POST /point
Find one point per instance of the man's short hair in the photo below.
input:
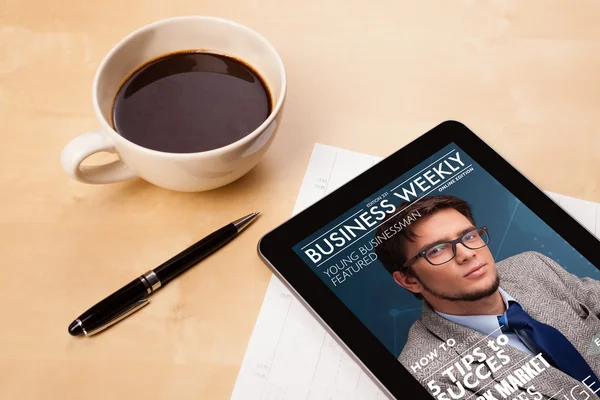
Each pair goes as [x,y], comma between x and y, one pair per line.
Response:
[391,252]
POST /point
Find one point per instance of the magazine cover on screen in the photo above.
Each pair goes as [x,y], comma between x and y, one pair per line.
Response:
[475,295]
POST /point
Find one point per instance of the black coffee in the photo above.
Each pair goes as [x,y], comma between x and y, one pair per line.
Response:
[190,102]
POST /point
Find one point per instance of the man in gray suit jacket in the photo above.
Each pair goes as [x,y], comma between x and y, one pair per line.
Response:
[522,328]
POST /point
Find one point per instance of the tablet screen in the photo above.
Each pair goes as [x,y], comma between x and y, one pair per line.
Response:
[476,296]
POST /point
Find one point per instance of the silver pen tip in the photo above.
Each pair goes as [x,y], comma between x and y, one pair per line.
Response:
[245,221]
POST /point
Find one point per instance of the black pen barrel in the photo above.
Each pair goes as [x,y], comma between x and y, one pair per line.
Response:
[132,296]
[192,255]
[106,309]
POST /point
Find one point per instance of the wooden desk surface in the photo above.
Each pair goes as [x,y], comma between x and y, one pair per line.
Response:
[367,76]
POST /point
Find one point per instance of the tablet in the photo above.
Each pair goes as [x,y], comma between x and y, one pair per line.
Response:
[446,274]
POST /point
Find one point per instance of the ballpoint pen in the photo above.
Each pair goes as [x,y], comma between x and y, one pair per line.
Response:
[133,296]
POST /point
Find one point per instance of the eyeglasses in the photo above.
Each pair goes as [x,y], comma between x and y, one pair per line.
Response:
[441,253]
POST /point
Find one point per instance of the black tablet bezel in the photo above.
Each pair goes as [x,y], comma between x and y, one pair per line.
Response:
[275,247]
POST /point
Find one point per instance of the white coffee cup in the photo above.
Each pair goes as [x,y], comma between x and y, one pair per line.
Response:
[176,171]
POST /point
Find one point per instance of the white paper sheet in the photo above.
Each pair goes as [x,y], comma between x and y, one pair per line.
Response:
[290,355]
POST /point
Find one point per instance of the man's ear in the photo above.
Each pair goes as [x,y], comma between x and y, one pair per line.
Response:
[408,282]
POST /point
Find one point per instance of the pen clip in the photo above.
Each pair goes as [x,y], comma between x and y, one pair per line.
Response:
[125,313]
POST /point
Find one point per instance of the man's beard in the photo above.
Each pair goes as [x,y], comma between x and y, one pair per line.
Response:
[465,296]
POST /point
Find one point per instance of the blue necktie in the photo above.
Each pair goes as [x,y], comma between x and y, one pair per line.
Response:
[556,348]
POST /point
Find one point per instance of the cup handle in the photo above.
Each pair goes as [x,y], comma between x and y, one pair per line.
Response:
[84,146]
